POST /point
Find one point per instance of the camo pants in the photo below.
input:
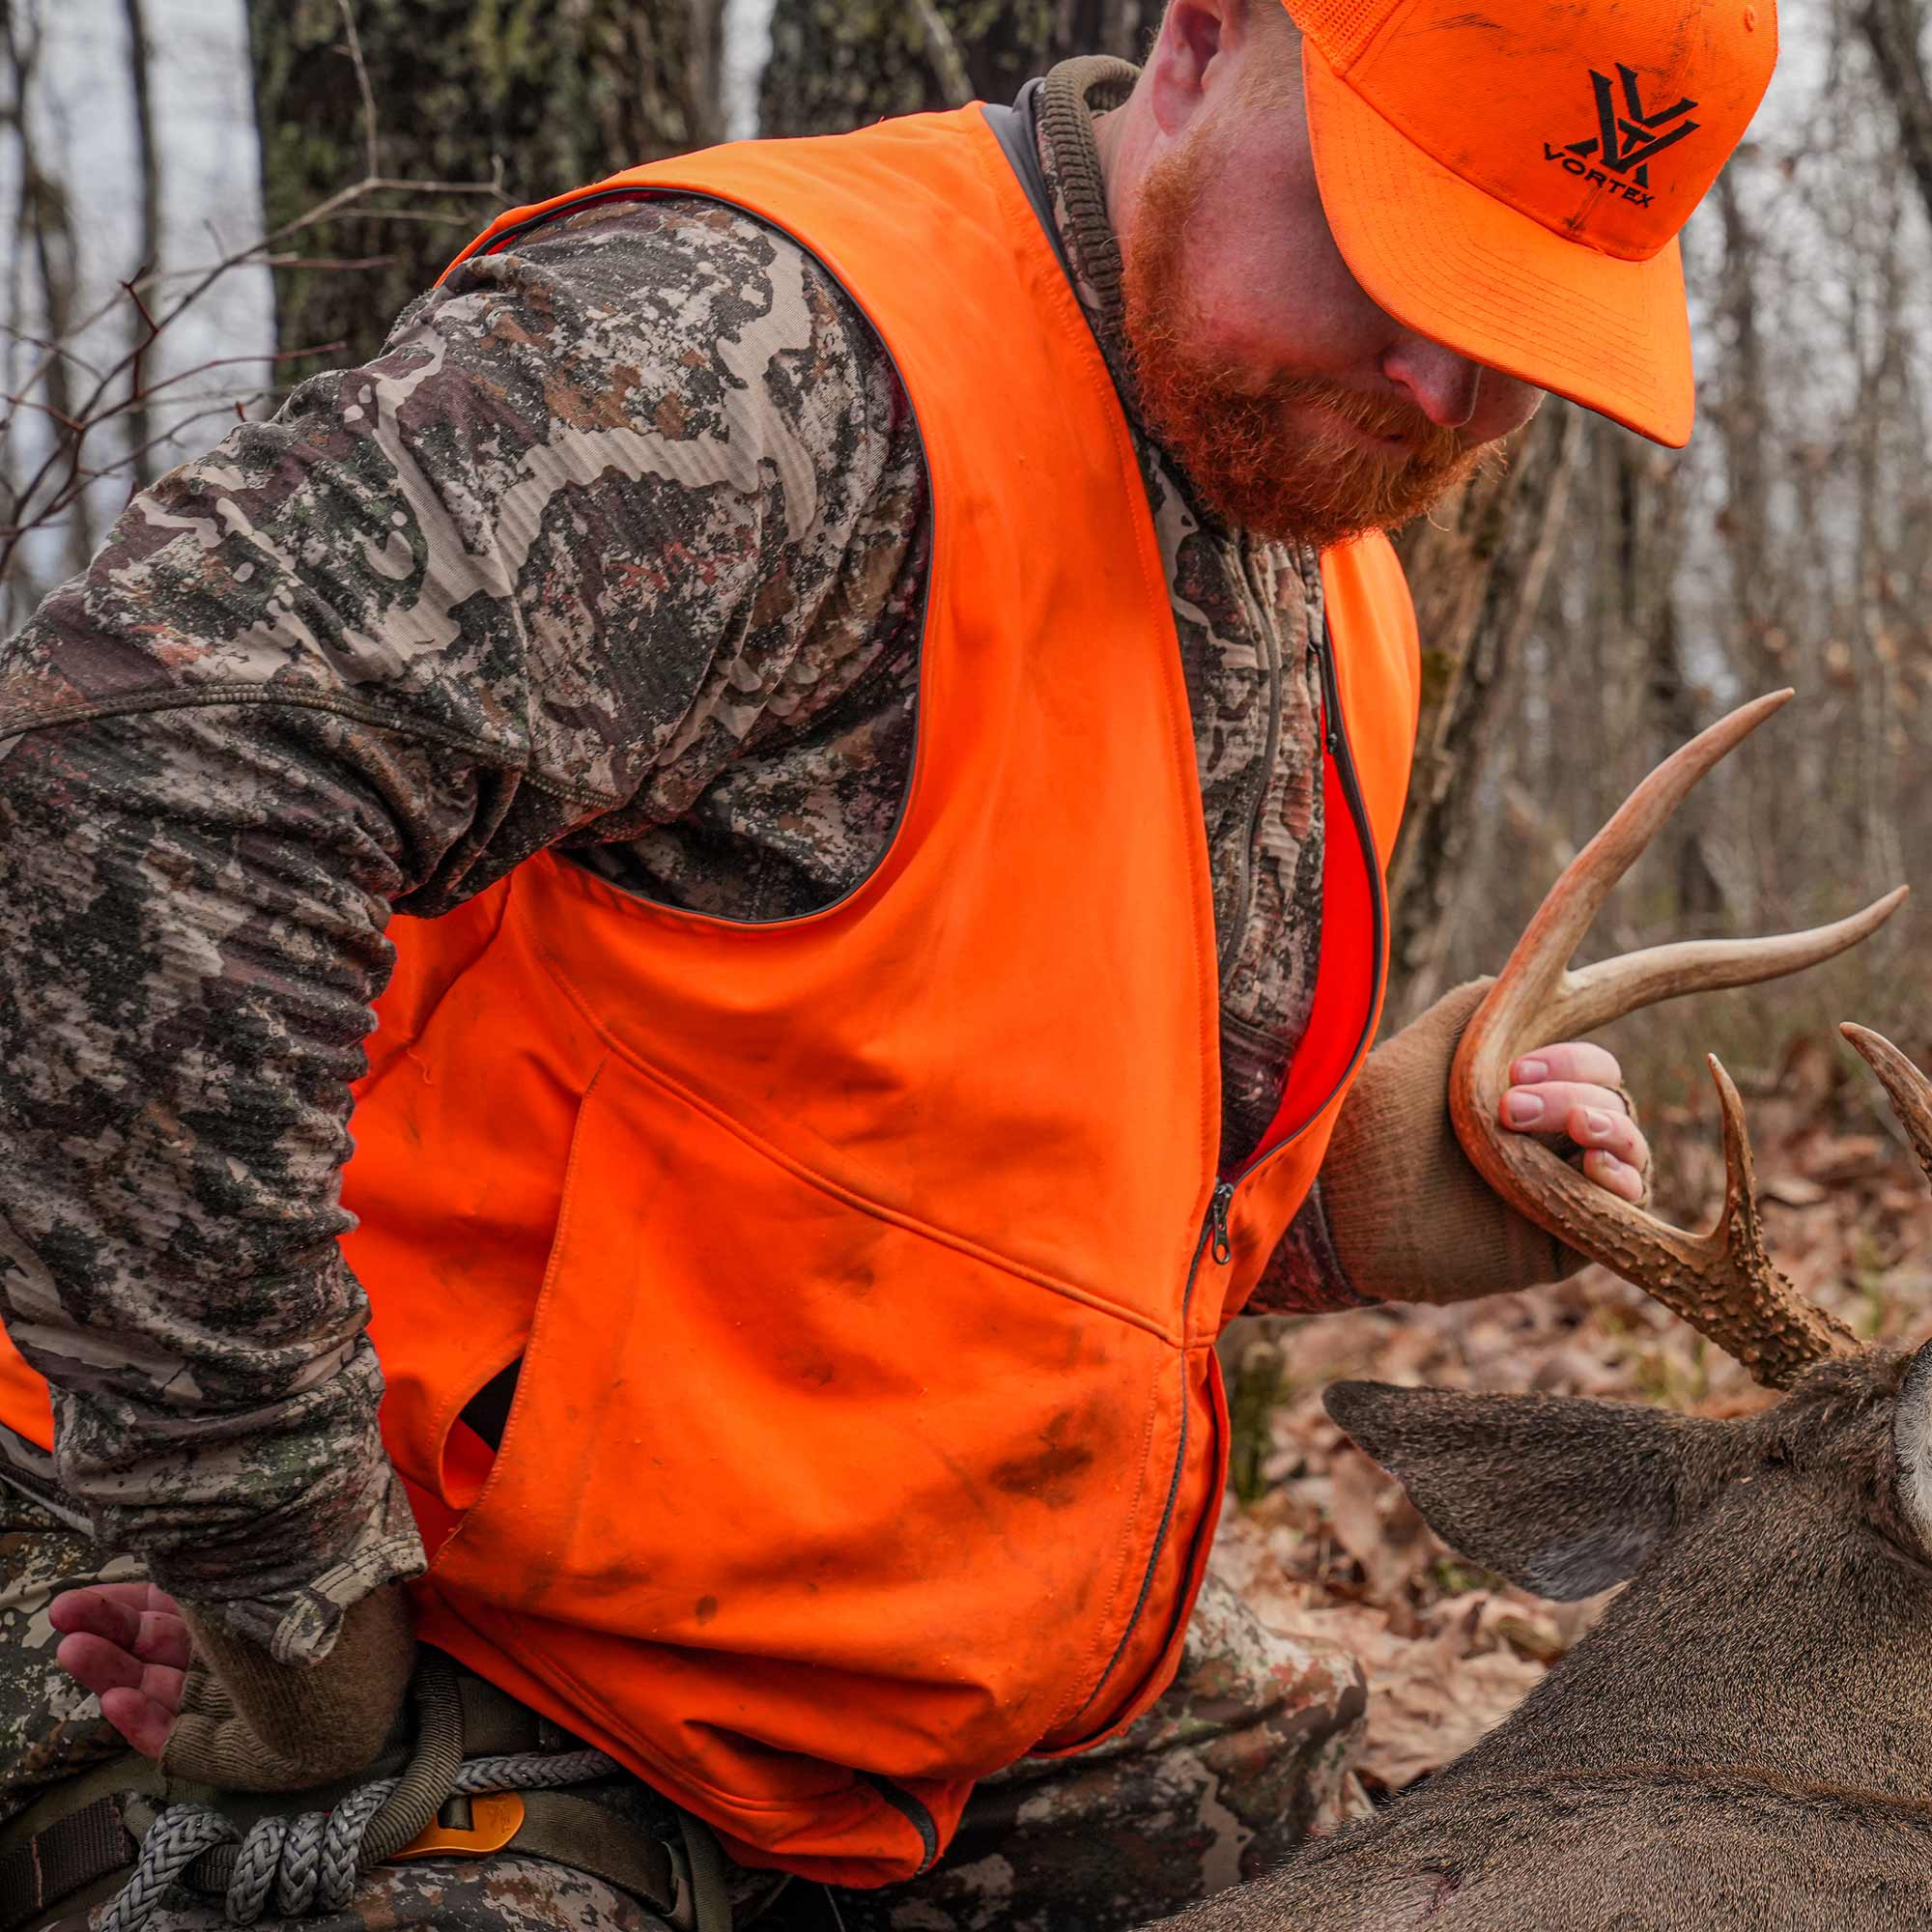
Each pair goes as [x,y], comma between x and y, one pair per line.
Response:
[1248,1750]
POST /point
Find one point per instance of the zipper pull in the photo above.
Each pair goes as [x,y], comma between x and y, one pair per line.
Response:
[1217,1222]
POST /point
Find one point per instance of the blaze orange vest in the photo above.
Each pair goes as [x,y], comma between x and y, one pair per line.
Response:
[866,1268]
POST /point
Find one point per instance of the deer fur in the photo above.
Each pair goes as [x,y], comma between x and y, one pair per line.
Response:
[1744,1740]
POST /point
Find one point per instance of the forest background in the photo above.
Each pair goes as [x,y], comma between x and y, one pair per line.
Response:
[208,198]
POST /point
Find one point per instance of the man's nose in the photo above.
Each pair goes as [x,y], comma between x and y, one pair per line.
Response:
[1441,384]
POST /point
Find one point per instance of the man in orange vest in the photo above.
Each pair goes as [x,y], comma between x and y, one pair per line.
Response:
[846,705]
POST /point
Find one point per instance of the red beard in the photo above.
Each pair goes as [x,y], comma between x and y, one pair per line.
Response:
[1243,451]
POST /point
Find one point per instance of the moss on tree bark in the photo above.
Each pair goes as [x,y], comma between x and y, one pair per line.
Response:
[839,64]
[545,93]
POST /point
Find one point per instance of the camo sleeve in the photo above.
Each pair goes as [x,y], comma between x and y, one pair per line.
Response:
[603,510]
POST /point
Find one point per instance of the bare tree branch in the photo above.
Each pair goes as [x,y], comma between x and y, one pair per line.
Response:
[59,482]
[148,201]
[372,142]
[949,64]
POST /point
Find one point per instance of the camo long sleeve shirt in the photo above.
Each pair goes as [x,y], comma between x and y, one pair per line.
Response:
[617,548]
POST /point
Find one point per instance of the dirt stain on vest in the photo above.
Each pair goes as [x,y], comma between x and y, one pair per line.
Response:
[1048,1474]
[706,1610]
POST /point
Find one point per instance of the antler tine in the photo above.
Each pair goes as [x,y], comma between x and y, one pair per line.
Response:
[1593,994]
[1537,965]
[1908,1088]
[1769,1327]
[1723,1282]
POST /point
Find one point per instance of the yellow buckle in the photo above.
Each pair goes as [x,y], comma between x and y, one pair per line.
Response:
[494,1819]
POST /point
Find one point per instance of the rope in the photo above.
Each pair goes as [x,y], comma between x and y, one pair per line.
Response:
[177,1837]
[310,1862]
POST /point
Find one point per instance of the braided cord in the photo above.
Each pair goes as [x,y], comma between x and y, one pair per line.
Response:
[309,1860]
[178,1836]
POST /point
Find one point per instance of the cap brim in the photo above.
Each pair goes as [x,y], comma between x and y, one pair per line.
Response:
[1460,267]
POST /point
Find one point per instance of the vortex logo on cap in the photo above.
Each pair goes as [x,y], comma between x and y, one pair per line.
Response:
[1625,143]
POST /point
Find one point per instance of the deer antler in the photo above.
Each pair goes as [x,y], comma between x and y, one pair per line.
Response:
[1909,1090]
[1723,1282]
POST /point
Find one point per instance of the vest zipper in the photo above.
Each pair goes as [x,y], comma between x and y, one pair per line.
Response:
[1331,736]
[1217,1223]
[1214,1237]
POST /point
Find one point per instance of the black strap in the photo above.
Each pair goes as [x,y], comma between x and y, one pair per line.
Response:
[56,1862]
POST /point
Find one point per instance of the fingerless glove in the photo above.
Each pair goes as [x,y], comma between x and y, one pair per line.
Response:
[248,1723]
[1410,1218]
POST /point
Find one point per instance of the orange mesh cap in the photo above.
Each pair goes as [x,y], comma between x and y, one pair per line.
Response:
[1509,180]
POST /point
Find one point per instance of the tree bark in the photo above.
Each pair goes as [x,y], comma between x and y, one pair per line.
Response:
[839,64]
[1893,30]
[1762,644]
[1477,567]
[544,97]
[1650,524]
[44,232]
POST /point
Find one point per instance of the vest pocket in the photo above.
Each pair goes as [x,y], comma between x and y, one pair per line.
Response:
[786,1478]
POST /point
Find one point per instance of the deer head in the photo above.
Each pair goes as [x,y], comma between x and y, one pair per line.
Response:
[1744,1737]
[1566,1496]
[1779,1622]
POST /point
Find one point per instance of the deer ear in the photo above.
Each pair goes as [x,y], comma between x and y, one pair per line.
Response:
[1561,1496]
[1912,1446]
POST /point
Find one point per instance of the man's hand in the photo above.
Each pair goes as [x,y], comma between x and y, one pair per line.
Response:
[1576,1090]
[128,1644]
[1410,1218]
[174,1681]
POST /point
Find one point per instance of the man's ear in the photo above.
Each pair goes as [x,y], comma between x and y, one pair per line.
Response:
[1561,1496]
[1189,42]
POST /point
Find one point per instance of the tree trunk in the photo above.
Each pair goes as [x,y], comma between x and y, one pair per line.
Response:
[1679,706]
[839,64]
[46,249]
[1894,28]
[1477,568]
[1762,644]
[541,96]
